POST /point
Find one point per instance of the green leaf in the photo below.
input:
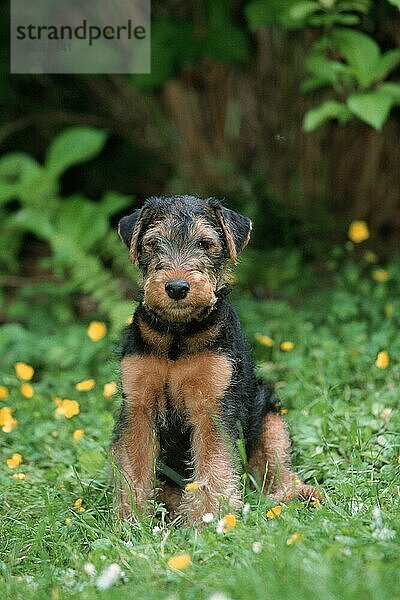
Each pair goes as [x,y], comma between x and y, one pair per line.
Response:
[171,474]
[14,164]
[362,6]
[313,83]
[22,177]
[301,10]
[371,107]
[323,20]
[113,202]
[360,51]
[30,219]
[327,110]
[8,191]
[73,146]
[81,222]
[387,63]
[395,3]
[10,244]
[393,89]
[270,12]
[38,190]
[330,70]
[14,169]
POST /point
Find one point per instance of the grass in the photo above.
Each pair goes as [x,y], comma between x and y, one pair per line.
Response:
[345,423]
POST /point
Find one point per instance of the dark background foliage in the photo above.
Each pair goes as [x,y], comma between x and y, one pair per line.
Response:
[221,114]
[287,110]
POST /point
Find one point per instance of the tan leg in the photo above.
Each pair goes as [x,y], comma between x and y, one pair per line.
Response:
[213,472]
[134,457]
[271,466]
[200,381]
[134,452]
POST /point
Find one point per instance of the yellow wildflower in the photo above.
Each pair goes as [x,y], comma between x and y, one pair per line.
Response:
[287,346]
[14,461]
[370,257]
[96,330]
[9,425]
[315,501]
[358,232]
[283,411]
[67,408]
[68,521]
[7,421]
[388,309]
[3,392]
[295,537]
[78,435]
[19,476]
[380,275]
[264,340]
[78,505]
[192,486]
[27,390]
[24,371]
[86,385]
[229,521]
[382,360]
[274,512]
[179,562]
[109,389]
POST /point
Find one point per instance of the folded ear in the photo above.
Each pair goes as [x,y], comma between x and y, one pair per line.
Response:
[236,228]
[128,229]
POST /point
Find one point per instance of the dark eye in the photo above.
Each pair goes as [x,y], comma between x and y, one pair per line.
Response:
[205,244]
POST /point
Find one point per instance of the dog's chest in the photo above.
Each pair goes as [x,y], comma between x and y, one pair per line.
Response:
[175,346]
[191,383]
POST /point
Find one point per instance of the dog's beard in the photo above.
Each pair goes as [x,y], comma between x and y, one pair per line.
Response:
[196,305]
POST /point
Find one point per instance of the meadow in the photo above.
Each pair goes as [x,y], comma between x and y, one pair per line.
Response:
[289,112]
[329,341]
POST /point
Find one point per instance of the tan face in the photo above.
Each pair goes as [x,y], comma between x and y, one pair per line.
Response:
[183,265]
[182,246]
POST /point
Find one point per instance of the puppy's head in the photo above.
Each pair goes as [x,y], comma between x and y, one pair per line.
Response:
[182,246]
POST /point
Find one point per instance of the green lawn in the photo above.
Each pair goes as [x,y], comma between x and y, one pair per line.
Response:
[345,424]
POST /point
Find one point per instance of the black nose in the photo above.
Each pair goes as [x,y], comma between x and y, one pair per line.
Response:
[177,288]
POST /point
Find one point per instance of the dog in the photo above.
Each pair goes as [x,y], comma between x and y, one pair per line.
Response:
[190,393]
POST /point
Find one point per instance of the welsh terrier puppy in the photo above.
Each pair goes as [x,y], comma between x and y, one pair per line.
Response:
[189,388]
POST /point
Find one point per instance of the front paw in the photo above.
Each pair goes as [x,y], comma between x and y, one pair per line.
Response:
[300,491]
[202,499]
